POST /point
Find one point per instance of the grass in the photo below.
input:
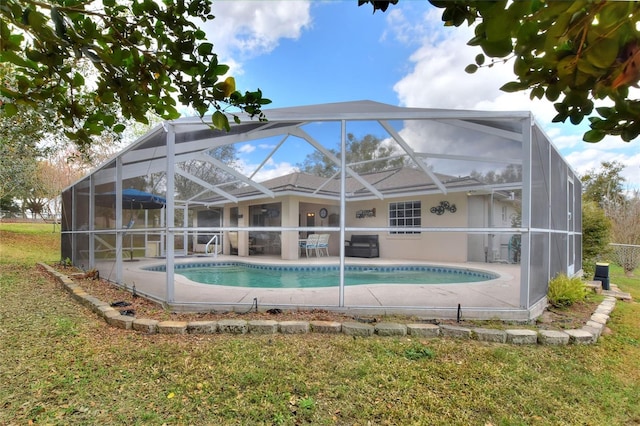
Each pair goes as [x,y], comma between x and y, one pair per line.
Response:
[62,365]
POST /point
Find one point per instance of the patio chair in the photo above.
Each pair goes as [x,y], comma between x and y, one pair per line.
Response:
[323,244]
[311,243]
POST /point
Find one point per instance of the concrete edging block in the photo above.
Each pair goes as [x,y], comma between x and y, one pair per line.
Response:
[579,337]
[263,327]
[357,329]
[595,332]
[423,330]
[522,337]
[455,332]
[293,327]
[120,321]
[202,327]
[553,337]
[601,318]
[172,327]
[233,326]
[107,312]
[329,327]
[390,329]
[490,335]
[145,325]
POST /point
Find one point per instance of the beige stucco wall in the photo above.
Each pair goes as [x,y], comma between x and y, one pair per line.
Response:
[430,246]
[436,246]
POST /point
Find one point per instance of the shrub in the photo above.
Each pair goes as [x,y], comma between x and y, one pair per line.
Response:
[564,291]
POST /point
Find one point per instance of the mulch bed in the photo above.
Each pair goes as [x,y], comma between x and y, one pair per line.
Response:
[552,319]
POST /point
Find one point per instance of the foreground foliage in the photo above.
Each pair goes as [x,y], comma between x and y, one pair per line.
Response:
[568,52]
[564,291]
[146,56]
[62,365]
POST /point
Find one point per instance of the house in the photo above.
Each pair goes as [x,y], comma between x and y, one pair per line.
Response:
[469,202]
[475,187]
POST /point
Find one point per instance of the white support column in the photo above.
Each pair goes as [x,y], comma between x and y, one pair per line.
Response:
[170,223]
[119,213]
[343,204]
[185,234]
[525,254]
[92,222]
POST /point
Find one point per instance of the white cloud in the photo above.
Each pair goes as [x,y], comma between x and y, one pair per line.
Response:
[247,148]
[243,29]
[437,80]
[270,170]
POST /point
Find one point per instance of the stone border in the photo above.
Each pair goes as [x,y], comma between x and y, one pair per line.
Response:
[588,334]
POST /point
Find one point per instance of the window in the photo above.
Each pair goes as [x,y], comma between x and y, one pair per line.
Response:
[406,214]
[504,214]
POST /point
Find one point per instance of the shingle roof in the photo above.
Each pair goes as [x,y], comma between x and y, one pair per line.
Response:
[388,182]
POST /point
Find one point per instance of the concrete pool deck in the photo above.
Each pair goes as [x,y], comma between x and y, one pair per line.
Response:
[495,299]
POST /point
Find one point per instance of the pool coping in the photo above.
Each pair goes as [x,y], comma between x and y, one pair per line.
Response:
[498,298]
[483,275]
[587,334]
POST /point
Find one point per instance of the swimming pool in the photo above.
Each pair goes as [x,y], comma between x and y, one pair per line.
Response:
[239,274]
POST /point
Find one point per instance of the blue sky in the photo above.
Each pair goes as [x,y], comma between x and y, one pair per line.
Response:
[302,52]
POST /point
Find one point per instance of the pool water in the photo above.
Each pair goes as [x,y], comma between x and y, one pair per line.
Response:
[238,274]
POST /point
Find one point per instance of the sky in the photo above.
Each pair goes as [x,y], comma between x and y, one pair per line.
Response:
[310,52]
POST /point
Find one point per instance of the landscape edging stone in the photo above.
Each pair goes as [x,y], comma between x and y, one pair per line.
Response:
[588,334]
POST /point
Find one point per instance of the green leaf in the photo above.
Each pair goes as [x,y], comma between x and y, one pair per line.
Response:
[119,128]
[25,15]
[498,28]
[605,111]
[520,66]
[58,22]
[602,53]
[78,80]
[10,56]
[513,86]
[613,12]
[593,136]
[220,121]
[576,116]
[471,68]
[480,59]
[537,92]
[9,109]
[205,49]
[552,93]
[498,48]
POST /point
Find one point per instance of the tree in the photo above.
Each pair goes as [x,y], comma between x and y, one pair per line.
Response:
[625,231]
[571,53]
[186,188]
[595,235]
[147,56]
[365,155]
[54,174]
[511,173]
[604,186]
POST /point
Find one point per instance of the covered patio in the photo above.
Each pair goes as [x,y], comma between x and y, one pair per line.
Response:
[478,188]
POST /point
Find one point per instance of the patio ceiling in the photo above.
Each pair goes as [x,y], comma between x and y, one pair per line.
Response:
[194,139]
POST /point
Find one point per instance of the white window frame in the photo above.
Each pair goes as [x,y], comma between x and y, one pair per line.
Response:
[405,214]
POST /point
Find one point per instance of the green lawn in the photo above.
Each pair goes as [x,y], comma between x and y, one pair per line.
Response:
[62,365]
